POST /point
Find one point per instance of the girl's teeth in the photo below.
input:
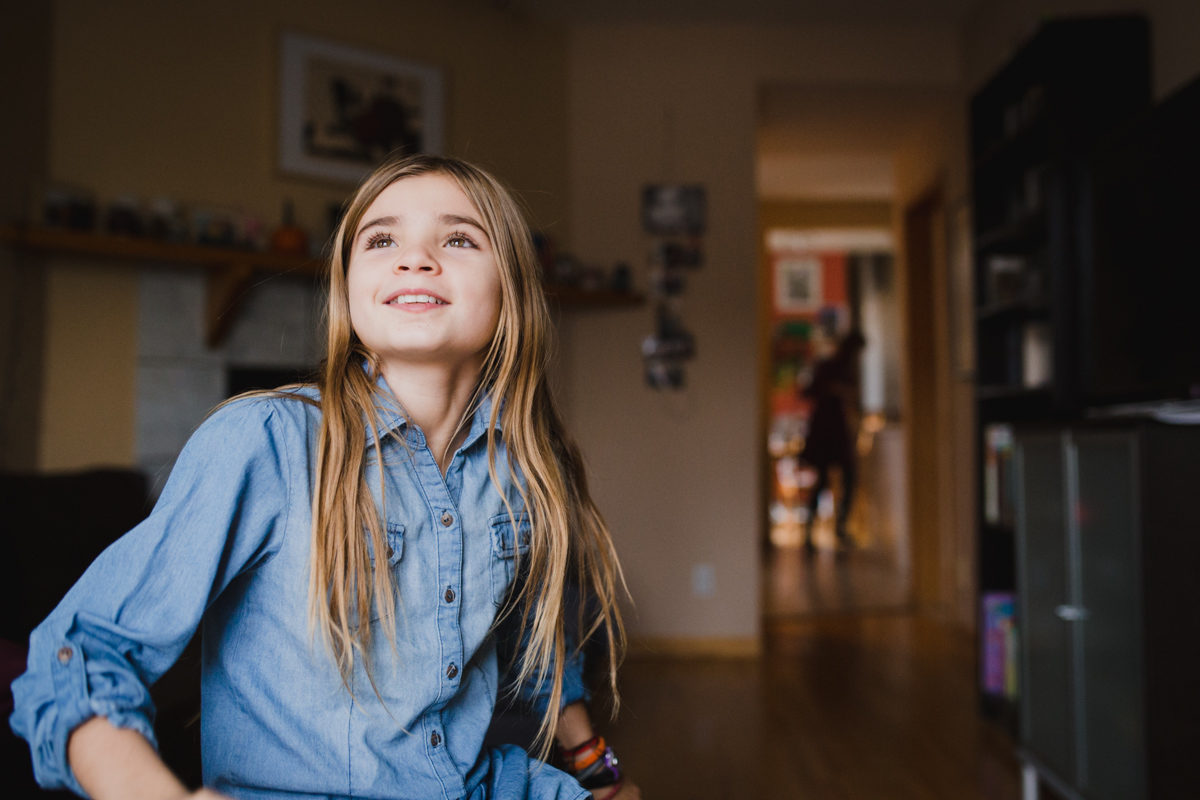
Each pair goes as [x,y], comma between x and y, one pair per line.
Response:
[418,298]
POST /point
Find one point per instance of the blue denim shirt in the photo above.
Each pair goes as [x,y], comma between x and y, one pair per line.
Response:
[227,549]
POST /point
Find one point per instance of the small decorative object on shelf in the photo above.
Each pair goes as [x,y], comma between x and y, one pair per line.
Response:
[573,283]
[289,238]
[68,207]
[125,217]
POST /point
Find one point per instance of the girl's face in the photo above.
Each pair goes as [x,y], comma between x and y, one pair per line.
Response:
[423,280]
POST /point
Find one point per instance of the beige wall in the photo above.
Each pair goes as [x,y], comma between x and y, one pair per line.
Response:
[677,474]
[90,366]
[998,27]
[179,99]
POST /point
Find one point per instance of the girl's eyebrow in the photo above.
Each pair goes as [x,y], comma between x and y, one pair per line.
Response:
[374,222]
[455,219]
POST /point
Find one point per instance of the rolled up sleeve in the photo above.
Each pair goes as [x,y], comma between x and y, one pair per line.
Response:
[130,615]
[535,692]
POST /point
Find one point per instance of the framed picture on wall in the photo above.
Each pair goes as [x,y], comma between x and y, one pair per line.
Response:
[342,110]
[798,284]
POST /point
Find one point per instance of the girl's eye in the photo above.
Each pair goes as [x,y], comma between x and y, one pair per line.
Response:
[460,240]
[380,240]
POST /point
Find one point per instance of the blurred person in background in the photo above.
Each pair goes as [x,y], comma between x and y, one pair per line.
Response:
[833,431]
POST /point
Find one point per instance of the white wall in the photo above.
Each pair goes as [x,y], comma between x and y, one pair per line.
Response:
[180,379]
[677,474]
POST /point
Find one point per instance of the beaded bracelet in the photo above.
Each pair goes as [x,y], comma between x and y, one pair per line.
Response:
[593,764]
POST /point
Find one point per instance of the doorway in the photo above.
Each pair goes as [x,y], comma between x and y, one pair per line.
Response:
[836,534]
[837,167]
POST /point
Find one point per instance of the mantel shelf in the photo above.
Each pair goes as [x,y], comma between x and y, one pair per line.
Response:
[129,248]
[231,270]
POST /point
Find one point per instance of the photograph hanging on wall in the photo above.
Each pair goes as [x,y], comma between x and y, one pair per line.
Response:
[673,209]
[798,284]
[342,110]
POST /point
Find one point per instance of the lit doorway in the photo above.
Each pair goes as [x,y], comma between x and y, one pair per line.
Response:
[836,167]
[836,541]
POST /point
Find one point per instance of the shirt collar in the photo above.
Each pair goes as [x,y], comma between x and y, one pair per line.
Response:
[391,419]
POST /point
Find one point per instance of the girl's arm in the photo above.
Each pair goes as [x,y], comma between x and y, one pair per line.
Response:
[575,728]
[133,611]
[119,764]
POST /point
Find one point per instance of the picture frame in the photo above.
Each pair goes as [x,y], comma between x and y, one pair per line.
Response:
[343,110]
[798,287]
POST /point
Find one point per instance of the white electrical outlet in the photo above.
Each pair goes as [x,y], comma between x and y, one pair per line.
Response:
[704,580]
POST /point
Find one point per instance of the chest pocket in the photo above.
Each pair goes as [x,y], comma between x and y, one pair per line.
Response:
[395,543]
[508,540]
[395,551]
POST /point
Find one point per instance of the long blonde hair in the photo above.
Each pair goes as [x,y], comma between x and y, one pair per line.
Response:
[569,536]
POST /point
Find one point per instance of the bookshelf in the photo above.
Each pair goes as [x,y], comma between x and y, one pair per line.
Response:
[1033,126]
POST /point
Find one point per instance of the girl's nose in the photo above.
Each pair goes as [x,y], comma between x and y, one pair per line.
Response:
[417,258]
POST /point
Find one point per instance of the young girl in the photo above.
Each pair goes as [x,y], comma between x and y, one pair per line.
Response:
[348,548]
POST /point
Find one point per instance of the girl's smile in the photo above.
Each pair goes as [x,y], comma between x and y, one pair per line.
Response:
[415,300]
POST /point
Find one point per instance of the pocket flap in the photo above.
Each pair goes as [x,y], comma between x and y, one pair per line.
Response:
[395,543]
[505,534]
[395,538]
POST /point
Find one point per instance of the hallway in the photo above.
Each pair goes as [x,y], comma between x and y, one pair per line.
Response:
[838,708]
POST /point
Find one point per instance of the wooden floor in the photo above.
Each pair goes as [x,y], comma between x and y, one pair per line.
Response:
[841,707]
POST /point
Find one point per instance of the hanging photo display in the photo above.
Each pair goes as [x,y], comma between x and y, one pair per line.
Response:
[675,216]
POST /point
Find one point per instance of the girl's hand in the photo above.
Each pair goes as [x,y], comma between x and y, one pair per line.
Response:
[206,794]
[628,792]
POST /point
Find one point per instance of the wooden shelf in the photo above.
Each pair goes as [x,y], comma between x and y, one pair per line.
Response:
[1031,133]
[1008,392]
[1019,308]
[1022,234]
[593,298]
[128,248]
[231,271]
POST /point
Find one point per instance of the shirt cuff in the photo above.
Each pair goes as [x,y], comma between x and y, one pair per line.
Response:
[75,704]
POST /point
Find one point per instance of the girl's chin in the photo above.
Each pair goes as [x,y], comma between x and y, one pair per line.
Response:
[430,353]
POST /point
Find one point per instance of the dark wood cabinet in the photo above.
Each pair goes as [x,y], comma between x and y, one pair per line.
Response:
[1108,538]
[1033,127]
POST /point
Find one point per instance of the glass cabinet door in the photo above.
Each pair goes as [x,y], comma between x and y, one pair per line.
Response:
[1042,577]
[1110,721]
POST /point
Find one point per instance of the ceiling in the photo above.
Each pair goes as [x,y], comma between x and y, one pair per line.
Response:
[744,11]
[826,142]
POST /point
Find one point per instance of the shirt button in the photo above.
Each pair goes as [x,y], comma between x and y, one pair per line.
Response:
[449,595]
[447,519]
[391,552]
[435,740]
[64,654]
[451,672]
